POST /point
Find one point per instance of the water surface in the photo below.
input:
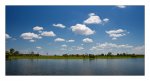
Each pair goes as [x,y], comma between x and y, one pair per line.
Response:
[133,66]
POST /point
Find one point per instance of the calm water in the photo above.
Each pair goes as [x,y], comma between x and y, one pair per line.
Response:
[75,67]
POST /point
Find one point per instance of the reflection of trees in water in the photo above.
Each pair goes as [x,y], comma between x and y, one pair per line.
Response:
[91,59]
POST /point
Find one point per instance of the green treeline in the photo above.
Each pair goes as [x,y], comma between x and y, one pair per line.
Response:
[12,53]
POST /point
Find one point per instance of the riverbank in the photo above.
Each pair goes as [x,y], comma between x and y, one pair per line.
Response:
[73,57]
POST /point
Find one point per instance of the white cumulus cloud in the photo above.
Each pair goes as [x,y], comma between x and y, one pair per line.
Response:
[118,48]
[48,33]
[30,35]
[91,14]
[105,20]
[37,28]
[111,47]
[64,45]
[39,47]
[7,36]
[121,6]
[82,29]
[73,48]
[87,40]
[93,19]
[59,25]
[32,40]
[59,40]
[71,40]
[79,48]
[139,49]
[116,33]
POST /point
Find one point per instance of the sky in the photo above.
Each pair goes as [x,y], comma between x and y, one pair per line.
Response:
[75,29]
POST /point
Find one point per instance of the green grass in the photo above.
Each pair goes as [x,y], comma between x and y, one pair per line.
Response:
[73,57]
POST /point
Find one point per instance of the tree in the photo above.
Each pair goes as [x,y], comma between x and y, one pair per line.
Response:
[102,54]
[133,55]
[77,55]
[118,54]
[91,56]
[83,56]
[65,55]
[124,54]
[16,52]
[109,54]
[12,51]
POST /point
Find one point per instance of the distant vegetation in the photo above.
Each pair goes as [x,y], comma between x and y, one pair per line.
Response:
[12,53]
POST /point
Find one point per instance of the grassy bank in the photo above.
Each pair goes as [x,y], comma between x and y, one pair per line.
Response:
[13,54]
[73,57]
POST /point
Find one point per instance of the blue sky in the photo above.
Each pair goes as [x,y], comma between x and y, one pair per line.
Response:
[75,29]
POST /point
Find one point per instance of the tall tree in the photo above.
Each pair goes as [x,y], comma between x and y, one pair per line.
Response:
[12,51]
[109,54]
